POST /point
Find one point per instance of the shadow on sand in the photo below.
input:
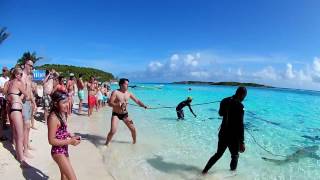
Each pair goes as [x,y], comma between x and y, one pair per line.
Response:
[33,173]
[173,168]
[85,105]
[29,172]
[39,116]
[82,114]
[9,146]
[98,140]
[121,142]
[94,139]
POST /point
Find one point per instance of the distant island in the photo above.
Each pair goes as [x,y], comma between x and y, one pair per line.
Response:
[223,84]
[65,70]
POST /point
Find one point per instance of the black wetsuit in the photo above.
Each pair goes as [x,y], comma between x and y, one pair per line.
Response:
[180,107]
[231,133]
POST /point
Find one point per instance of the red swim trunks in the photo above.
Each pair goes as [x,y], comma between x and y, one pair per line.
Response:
[91,101]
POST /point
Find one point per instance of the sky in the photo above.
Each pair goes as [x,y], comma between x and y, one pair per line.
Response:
[269,42]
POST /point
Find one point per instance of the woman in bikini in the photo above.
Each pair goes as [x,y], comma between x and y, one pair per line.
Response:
[15,93]
[58,135]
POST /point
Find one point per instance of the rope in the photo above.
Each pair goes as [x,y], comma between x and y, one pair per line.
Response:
[255,116]
[199,104]
[212,102]
[262,147]
[163,107]
[169,107]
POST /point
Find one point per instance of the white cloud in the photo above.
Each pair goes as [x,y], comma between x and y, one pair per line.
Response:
[239,72]
[200,74]
[194,63]
[191,60]
[289,72]
[267,73]
[316,70]
[198,55]
[174,57]
[303,76]
[155,66]
[211,67]
[173,66]
[316,64]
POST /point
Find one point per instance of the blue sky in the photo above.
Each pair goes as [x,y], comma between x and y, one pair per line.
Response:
[271,42]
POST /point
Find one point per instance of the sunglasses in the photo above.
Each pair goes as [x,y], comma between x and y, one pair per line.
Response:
[30,65]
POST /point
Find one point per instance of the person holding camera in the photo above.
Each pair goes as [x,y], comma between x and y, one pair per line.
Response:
[47,90]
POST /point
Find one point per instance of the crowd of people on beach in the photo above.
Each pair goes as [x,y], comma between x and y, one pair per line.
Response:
[18,100]
[20,97]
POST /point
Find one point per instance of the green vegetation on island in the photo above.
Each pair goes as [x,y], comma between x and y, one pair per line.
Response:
[65,70]
[223,83]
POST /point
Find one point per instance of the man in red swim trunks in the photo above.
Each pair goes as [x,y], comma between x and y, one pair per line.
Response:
[91,86]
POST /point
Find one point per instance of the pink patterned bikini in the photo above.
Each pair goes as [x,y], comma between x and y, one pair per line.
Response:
[62,133]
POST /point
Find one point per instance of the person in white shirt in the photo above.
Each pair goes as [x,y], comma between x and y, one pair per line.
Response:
[3,112]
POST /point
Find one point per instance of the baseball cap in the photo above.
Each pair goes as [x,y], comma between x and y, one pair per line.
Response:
[4,68]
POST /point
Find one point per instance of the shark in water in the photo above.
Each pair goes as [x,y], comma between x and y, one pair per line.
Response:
[305,152]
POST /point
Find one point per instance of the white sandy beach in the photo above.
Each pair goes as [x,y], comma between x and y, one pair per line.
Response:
[86,159]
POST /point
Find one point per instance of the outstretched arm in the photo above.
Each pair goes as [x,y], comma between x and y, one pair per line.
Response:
[46,78]
[192,110]
[137,101]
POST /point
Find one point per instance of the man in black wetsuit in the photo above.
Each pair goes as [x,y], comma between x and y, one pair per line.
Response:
[180,107]
[231,134]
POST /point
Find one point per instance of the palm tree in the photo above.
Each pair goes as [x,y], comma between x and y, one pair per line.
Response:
[29,56]
[3,34]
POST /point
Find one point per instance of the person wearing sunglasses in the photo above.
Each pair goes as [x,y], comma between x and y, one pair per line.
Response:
[15,92]
[27,105]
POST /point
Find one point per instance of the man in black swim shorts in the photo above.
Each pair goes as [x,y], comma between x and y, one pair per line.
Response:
[119,102]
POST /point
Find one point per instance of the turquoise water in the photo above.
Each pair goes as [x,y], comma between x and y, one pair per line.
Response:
[281,121]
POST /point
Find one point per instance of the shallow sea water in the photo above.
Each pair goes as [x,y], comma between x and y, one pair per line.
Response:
[284,122]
